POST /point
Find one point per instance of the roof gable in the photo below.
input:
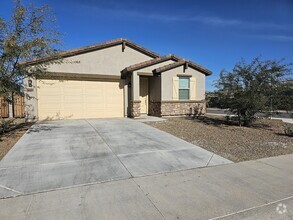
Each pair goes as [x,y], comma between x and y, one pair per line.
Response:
[181,63]
[156,58]
[148,63]
[91,48]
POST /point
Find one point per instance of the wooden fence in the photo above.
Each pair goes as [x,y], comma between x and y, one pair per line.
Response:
[17,107]
[4,108]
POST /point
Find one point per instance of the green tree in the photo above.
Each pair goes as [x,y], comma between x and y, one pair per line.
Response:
[250,88]
[29,34]
[212,100]
[283,99]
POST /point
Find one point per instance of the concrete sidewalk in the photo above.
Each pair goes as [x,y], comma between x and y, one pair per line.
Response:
[259,189]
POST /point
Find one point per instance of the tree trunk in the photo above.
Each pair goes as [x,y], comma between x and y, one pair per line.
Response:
[239,118]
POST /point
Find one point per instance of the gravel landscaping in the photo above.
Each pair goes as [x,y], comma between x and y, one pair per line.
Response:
[10,137]
[265,138]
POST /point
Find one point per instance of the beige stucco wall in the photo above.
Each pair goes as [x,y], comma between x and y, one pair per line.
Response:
[135,77]
[134,87]
[108,61]
[167,82]
[126,95]
[31,102]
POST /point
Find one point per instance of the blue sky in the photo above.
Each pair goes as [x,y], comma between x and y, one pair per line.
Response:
[213,33]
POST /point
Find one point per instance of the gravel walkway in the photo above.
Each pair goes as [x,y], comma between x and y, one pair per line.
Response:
[265,139]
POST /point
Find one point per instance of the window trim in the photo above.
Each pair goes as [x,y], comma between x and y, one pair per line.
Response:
[188,78]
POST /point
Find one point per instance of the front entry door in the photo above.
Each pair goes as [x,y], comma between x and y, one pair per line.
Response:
[143,95]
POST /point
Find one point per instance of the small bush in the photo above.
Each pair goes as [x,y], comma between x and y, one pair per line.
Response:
[5,124]
[289,130]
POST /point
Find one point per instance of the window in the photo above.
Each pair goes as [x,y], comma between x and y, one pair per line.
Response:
[184,86]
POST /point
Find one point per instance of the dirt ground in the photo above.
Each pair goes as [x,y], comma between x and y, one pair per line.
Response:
[265,138]
[8,139]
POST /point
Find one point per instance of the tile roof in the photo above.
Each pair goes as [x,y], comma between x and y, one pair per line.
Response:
[156,57]
[148,63]
[94,47]
[180,63]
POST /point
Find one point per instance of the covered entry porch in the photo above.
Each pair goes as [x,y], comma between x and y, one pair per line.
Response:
[165,86]
[144,90]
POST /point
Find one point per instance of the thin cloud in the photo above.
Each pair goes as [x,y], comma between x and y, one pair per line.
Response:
[218,21]
[281,38]
[204,19]
[243,24]
[270,37]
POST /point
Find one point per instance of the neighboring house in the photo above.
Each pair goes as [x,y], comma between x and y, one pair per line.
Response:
[117,78]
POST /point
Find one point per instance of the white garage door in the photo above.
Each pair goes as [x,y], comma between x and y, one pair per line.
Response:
[68,99]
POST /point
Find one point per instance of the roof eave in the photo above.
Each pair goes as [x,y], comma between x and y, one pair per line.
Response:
[146,64]
[91,48]
[181,63]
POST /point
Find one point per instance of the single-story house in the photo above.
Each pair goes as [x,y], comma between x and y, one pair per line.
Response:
[116,78]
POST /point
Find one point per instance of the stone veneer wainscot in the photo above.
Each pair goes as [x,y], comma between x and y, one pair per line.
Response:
[172,108]
[135,108]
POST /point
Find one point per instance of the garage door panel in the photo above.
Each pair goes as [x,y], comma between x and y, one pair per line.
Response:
[72,100]
[90,99]
[47,91]
[79,99]
[70,89]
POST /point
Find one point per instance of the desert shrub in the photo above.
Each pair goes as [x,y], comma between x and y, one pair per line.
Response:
[289,130]
[249,89]
[5,124]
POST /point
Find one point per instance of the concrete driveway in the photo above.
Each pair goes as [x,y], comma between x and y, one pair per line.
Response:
[61,154]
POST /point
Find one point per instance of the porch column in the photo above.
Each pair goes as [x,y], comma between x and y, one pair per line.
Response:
[135,102]
[126,81]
